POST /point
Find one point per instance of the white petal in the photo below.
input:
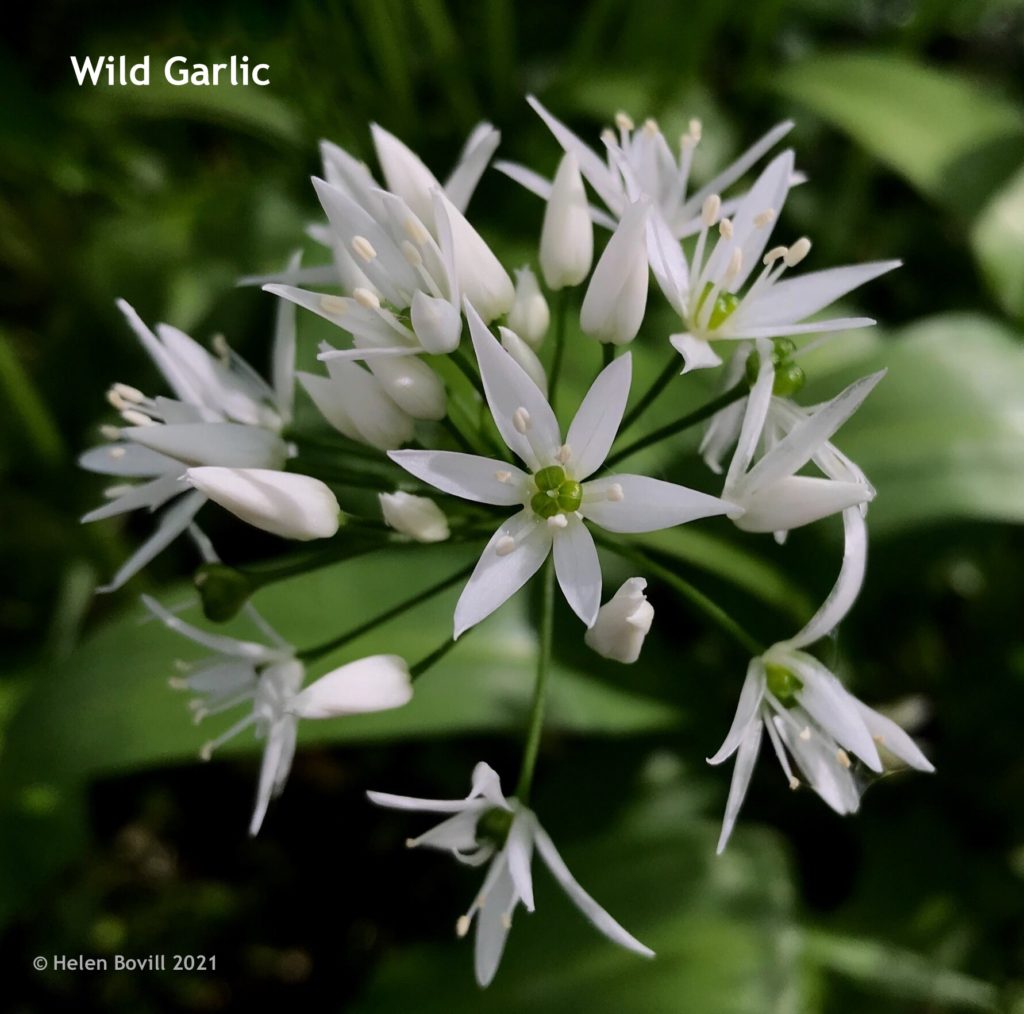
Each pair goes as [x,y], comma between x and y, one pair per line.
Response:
[413,803]
[437,323]
[668,262]
[405,173]
[732,332]
[567,234]
[174,520]
[521,352]
[376,683]
[177,378]
[696,352]
[578,569]
[798,500]
[746,759]
[799,445]
[283,503]
[820,767]
[498,576]
[793,299]
[758,402]
[482,143]
[530,315]
[509,389]
[748,710]
[127,460]
[412,385]
[483,480]
[283,365]
[597,421]
[519,851]
[229,444]
[542,187]
[492,924]
[277,762]
[891,738]
[646,505]
[457,834]
[487,784]
[150,495]
[590,908]
[416,516]
[847,587]
[613,308]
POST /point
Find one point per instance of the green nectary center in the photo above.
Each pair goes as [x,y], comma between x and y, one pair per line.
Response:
[725,305]
[556,493]
[494,826]
[783,683]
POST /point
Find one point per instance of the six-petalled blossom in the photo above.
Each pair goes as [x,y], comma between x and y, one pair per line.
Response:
[269,678]
[558,494]
[485,827]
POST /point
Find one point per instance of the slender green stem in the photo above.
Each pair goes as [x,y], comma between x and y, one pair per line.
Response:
[261,575]
[540,686]
[561,318]
[460,438]
[468,370]
[607,354]
[711,609]
[671,429]
[429,661]
[651,394]
[318,651]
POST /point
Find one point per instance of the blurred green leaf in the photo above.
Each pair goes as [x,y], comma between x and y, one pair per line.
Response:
[721,926]
[941,435]
[997,239]
[109,708]
[949,136]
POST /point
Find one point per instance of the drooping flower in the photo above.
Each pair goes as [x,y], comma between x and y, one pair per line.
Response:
[773,496]
[808,714]
[485,827]
[269,678]
[558,494]
[708,295]
[222,414]
[282,503]
[622,623]
[641,164]
[416,516]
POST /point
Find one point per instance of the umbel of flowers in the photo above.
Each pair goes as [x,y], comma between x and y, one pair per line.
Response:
[407,281]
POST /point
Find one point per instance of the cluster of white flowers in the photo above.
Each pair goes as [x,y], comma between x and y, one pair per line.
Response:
[407,269]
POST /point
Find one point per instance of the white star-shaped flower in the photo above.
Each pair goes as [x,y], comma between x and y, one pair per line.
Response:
[557,495]
[487,827]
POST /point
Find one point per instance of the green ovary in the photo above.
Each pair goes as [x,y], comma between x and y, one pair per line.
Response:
[725,305]
[555,494]
[783,684]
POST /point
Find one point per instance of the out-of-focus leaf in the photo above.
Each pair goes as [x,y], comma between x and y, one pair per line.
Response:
[722,929]
[997,239]
[108,706]
[950,137]
[895,972]
[942,435]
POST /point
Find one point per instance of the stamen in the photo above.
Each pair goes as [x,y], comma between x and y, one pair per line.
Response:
[410,843]
[615,492]
[766,217]
[113,492]
[177,683]
[129,393]
[844,758]
[558,521]
[462,926]
[564,454]
[725,228]
[333,304]
[710,209]
[608,136]
[363,248]
[879,740]
[110,432]
[366,298]
[624,121]
[650,126]
[506,920]
[117,452]
[505,545]
[416,231]
[773,255]
[696,129]
[220,347]
[503,476]
[794,783]
[136,418]
[411,253]
[797,252]
[735,265]
[805,733]
[521,419]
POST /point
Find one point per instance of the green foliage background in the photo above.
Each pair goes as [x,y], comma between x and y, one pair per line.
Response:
[910,124]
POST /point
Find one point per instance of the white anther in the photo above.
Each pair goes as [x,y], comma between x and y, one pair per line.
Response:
[182,666]
[735,264]
[462,926]
[506,920]
[766,217]
[773,255]
[177,683]
[416,231]
[198,714]
[129,393]
[366,298]
[206,751]
[118,452]
[564,454]
[220,346]
[844,758]
[797,252]
[725,228]
[794,782]
[879,740]
[410,843]
[505,545]
[608,136]
[558,521]
[136,418]
[411,253]
[709,210]
[521,419]
[623,121]
[615,493]
[333,304]
[503,476]
[696,129]
[650,126]
[113,492]
[110,432]
[805,733]
[363,248]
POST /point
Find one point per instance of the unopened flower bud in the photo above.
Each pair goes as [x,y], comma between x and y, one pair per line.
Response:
[416,516]
[613,308]
[437,323]
[413,386]
[567,235]
[282,503]
[525,357]
[529,316]
[622,623]
[223,590]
